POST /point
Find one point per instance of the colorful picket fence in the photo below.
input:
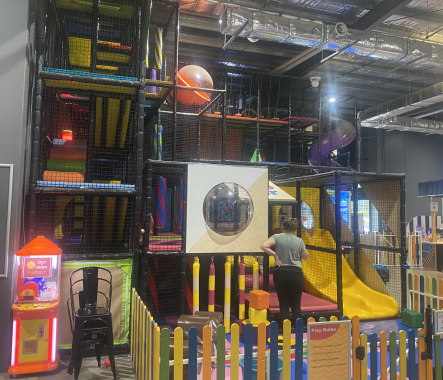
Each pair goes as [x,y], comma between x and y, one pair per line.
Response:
[424,291]
[415,249]
[150,351]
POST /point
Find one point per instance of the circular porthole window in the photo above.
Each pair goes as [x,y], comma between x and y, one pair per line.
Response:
[307,216]
[228,209]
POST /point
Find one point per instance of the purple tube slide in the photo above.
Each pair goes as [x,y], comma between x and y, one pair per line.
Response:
[341,133]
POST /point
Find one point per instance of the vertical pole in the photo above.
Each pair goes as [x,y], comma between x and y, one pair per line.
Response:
[338,247]
[356,231]
[94,37]
[270,220]
[234,286]
[274,145]
[35,131]
[403,246]
[434,223]
[184,263]
[183,268]
[319,125]
[298,210]
[266,272]
[289,123]
[224,128]
[259,80]
[174,108]
[357,138]
[302,131]
[198,139]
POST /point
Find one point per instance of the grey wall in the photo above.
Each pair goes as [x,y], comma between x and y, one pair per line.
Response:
[13,106]
[417,155]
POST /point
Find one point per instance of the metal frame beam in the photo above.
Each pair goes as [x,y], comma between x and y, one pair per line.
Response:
[381,12]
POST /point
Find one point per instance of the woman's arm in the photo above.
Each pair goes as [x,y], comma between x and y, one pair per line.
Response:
[266,247]
[304,254]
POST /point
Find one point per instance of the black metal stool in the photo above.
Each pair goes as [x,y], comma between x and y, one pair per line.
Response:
[91,325]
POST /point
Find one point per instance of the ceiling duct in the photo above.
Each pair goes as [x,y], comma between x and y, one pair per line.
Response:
[323,36]
[400,123]
[407,104]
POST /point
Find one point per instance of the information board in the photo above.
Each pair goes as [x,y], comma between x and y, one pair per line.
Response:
[329,350]
[5,215]
[438,322]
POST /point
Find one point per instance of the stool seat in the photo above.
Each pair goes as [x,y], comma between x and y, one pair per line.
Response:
[91,325]
[92,312]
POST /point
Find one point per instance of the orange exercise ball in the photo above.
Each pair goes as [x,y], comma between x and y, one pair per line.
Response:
[194,76]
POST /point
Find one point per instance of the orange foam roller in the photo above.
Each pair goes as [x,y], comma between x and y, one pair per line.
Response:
[63,176]
[259,299]
[67,155]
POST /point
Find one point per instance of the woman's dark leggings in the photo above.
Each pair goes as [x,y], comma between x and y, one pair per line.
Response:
[289,283]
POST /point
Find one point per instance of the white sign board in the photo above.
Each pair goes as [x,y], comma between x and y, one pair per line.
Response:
[434,206]
[438,321]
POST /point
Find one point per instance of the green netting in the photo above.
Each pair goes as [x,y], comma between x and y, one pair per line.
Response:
[126,266]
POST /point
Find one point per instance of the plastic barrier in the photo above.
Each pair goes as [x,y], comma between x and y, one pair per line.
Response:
[151,352]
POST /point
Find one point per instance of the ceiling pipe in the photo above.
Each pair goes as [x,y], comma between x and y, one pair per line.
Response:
[319,35]
[400,123]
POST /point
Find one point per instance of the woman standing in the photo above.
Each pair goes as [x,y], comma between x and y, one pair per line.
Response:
[288,275]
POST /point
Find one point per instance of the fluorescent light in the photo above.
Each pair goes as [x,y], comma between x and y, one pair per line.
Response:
[332,100]
[14,342]
[54,340]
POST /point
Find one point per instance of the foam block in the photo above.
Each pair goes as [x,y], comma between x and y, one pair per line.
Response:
[66,166]
[257,316]
[412,318]
[67,155]
[54,176]
[259,299]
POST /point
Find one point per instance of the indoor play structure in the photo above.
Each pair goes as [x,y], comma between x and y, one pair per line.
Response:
[36,308]
[146,163]
[343,276]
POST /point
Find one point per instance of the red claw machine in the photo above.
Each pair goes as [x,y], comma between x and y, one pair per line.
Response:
[35,310]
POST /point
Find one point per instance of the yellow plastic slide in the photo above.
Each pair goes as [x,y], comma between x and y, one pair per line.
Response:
[320,281]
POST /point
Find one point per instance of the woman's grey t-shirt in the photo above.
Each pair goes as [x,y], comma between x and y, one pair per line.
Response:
[288,249]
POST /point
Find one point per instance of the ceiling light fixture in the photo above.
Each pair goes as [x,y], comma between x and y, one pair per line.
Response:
[315,81]
[332,100]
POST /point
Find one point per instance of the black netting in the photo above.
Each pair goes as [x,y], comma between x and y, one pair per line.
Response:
[199,130]
[86,224]
[379,206]
[164,212]
[87,135]
[163,288]
[71,42]
[160,58]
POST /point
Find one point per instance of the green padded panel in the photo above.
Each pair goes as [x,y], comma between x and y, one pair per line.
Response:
[412,318]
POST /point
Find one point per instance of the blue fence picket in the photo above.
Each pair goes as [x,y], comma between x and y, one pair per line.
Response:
[374,355]
[274,350]
[422,297]
[299,349]
[192,354]
[247,375]
[411,355]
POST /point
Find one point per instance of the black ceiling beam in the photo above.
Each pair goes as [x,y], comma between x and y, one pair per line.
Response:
[370,20]
[381,12]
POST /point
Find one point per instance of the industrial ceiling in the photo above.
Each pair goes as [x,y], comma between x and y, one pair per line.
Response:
[347,74]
